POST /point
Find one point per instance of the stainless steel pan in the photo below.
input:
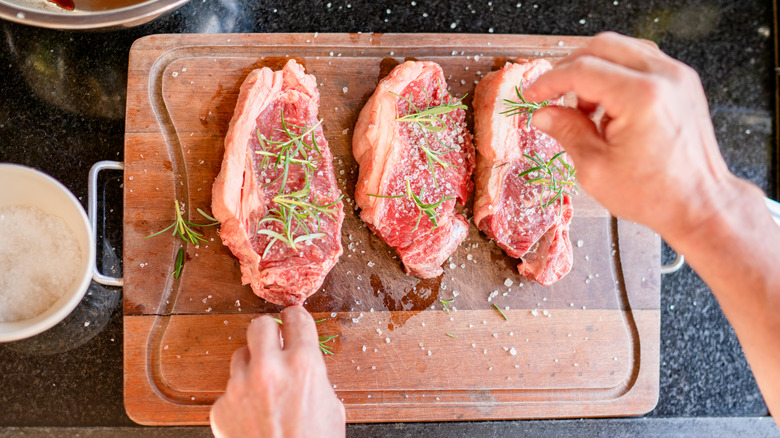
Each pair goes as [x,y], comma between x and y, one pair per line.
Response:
[43,13]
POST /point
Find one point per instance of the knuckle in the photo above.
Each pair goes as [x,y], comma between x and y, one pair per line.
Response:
[650,90]
[690,74]
[604,37]
[301,359]
[681,72]
[567,131]
[263,373]
[582,64]
[259,323]
[650,43]
[600,40]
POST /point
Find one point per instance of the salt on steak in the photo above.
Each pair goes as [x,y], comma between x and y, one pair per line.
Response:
[276,194]
[507,207]
[416,159]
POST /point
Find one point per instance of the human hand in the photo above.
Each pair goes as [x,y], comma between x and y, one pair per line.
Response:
[276,391]
[654,158]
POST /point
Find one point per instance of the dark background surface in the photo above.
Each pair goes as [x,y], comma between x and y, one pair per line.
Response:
[62,109]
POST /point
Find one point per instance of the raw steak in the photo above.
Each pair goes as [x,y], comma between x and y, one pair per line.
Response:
[249,184]
[506,208]
[391,155]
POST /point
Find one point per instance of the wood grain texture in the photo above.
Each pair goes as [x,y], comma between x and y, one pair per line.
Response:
[586,346]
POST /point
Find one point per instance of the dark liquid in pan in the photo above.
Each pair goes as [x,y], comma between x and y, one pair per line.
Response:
[95,5]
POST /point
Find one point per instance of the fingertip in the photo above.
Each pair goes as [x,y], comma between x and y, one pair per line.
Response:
[542,119]
[569,126]
[299,328]
[239,360]
[295,313]
[262,335]
[531,91]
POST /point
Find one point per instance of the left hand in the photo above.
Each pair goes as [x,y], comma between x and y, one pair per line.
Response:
[279,392]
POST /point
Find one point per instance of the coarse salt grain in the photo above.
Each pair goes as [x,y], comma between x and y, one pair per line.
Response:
[40,261]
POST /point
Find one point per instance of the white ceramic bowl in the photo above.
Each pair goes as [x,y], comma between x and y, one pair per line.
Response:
[23,186]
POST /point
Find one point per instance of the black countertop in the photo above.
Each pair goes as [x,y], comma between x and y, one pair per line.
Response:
[62,100]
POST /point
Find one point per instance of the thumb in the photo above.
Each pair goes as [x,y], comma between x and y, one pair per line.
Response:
[571,128]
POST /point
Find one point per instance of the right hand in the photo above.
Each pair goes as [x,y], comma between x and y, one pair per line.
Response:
[654,159]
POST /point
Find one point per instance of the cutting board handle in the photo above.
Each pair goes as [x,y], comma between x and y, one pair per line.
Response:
[92,212]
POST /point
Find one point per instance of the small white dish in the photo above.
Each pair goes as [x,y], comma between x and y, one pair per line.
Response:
[23,186]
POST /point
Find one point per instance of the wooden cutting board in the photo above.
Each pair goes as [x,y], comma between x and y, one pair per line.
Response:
[586,346]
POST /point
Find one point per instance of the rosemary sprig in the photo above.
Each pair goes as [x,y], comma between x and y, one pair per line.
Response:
[555,179]
[294,211]
[422,208]
[181,227]
[522,106]
[431,119]
[326,349]
[444,304]
[499,311]
[285,152]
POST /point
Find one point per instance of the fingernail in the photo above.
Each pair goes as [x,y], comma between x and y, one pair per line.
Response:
[529,93]
[542,120]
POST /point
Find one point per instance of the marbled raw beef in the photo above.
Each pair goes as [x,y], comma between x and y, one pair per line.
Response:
[390,153]
[244,191]
[506,208]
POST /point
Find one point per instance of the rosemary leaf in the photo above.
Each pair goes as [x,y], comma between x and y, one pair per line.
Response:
[326,349]
[556,176]
[179,263]
[297,210]
[431,120]
[444,304]
[428,210]
[499,311]
[183,229]
[522,106]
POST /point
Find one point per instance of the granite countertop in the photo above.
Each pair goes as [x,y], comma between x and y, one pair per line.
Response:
[62,109]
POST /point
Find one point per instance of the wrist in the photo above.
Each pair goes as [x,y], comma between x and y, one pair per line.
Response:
[707,215]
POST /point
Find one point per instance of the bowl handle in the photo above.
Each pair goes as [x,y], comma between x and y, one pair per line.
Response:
[675,266]
[92,212]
